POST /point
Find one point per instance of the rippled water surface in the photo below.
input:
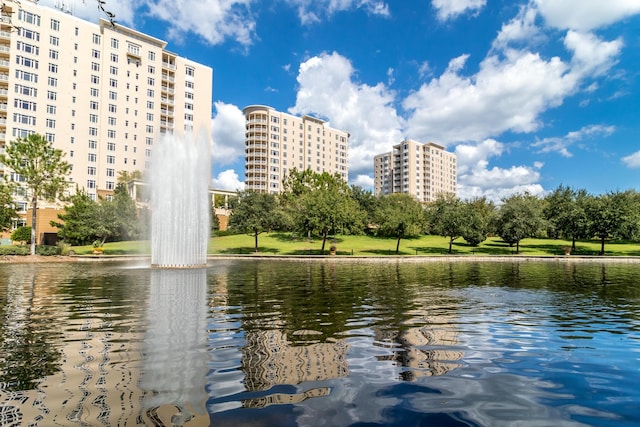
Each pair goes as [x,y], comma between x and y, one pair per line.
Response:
[277,343]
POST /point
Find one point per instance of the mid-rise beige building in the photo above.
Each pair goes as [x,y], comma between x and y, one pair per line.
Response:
[421,170]
[102,93]
[277,142]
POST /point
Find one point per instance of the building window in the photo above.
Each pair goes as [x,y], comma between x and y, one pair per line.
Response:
[111,172]
[28,17]
[28,34]
[51,123]
[190,71]
[111,146]
[93,131]
[96,39]
[152,56]
[91,170]
[111,159]
[54,41]
[93,105]
[91,183]
[91,157]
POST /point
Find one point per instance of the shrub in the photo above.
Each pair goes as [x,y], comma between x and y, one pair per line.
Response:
[14,250]
[46,250]
[22,234]
[63,248]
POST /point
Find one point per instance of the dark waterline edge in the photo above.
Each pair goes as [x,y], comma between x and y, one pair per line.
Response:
[21,259]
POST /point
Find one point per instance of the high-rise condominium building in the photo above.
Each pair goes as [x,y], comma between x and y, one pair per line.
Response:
[102,93]
[277,142]
[421,170]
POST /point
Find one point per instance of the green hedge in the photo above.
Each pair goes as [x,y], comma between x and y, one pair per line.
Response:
[25,250]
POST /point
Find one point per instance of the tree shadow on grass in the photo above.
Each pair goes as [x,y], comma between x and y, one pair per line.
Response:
[245,250]
[296,237]
[386,252]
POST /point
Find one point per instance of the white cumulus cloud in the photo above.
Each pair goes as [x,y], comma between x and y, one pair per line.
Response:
[449,9]
[508,93]
[476,178]
[227,180]
[214,21]
[585,15]
[227,134]
[327,89]
[632,160]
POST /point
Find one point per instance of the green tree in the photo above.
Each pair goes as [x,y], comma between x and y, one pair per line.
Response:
[7,207]
[42,169]
[255,213]
[117,218]
[519,217]
[21,234]
[86,220]
[447,217]
[78,220]
[613,215]
[400,216]
[478,213]
[321,203]
[367,201]
[565,213]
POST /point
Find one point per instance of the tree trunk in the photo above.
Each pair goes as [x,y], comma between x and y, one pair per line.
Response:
[518,247]
[34,206]
[602,246]
[255,240]
[324,240]
[573,244]
[398,245]
[450,244]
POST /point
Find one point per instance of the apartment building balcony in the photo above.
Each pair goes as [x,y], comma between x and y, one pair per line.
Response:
[5,19]
[167,89]
[255,136]
[166,112]
[4,64]
[168,77]
[252,146]
[5,50]
[169,65]
[167,99]
[5,35]
[3,107]
[3,136]
[257,121]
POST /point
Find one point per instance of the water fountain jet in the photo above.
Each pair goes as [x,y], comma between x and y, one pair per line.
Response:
[180,202]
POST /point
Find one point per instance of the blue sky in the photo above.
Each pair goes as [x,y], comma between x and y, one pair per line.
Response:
[529,94]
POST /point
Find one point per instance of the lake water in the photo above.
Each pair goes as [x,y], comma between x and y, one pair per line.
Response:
[321,343]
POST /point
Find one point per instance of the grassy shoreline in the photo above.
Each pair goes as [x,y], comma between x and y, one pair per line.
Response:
[282,244]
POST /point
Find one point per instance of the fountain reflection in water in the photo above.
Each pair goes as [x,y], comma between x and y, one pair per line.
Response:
[179,202]
[175,367]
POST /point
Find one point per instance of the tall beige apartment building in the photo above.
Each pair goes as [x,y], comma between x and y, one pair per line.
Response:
[421,170]
[277,142]
[102,93]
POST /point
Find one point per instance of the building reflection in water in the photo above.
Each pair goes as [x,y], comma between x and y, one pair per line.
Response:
[175,362]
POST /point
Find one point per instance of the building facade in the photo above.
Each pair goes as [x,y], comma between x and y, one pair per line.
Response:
[421,170]
[103,93]
[277,142]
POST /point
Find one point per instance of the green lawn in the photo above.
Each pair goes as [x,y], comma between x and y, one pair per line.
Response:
[284,244]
